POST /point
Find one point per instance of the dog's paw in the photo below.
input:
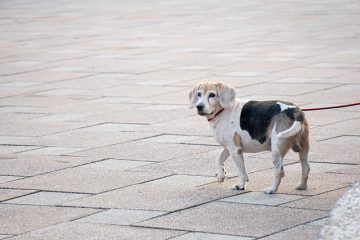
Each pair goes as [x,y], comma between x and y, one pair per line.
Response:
[220,177]
[269,190]
[238,188]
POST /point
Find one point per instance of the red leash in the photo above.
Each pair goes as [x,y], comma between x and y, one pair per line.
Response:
[323,108]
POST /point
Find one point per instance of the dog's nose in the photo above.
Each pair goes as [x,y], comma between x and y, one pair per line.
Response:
[200,107]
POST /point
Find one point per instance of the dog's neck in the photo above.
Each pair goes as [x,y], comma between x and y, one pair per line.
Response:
[215,115]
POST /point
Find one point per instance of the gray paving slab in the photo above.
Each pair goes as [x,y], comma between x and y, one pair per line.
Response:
[78,230]
[337,149]
[46,198]
[203,236]
[4,179]
[83,180]
[2,236]
[30,165]
[121,216]
[304,232]
[261,199]
[166,194]
[145,151]
[74,102]
[235,219]
[324,201]
[17,219]
[6,194]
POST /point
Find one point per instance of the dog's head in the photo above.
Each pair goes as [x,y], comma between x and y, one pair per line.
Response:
[211,97]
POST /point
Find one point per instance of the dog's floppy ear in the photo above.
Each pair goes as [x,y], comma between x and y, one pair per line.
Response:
[227,94]
[193,98]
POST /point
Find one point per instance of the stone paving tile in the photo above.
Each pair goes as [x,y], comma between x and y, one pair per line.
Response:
[145,151]
[78,231]
[234,219]
[6,194]
[32,128]
[2,236]
[46,198]
[53,151]
[17,219]
[83,180]
[173,138]
[85,139]
[340,149]
[204,236]
[166,194]
[9,149]
[304,232]
[325,201]
[66,87]
[29,165]
[4,179]
[121,216]
[261,199]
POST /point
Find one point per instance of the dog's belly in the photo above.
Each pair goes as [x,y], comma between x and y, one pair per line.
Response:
[252,146]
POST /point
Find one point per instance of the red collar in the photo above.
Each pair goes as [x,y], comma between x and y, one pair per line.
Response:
[217,114]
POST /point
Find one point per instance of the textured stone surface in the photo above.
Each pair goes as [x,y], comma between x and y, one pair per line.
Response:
[121,216]
[304,232]
[46,198]
[83,180]
[16,219]
[262,199]
[204,236]
[6,194]
[79,231]
[236,219]
[166,194]
[94,104]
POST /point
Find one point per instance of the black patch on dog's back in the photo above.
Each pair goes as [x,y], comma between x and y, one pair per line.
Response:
[256,116]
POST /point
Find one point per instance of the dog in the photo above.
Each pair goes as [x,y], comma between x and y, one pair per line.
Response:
[252,126]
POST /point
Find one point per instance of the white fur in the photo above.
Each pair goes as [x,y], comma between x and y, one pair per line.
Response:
[284,106]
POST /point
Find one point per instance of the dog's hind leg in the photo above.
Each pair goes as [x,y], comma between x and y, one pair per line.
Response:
[220,171]
[303,154]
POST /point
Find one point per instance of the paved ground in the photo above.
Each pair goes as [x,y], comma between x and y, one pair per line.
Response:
[96,140]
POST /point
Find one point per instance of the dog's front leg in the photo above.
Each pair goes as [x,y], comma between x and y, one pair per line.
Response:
[238,157]
[220,172]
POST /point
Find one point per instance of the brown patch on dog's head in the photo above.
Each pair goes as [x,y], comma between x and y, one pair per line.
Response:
[211,96]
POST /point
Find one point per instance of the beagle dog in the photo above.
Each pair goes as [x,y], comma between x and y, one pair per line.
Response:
[252,126]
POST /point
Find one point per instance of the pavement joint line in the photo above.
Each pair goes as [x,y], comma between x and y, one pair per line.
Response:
[302,224]
[60,169]
[346,120]
[27,194]
[321,90]
[55,206]
[339,136]
[179,229]
[134,184]
[309,196]
[185,232]
[190,207]
[335,163]
[273,206]
[49,191]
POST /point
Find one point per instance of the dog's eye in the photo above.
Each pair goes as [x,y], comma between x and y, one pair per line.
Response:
[199,94]
[211,95]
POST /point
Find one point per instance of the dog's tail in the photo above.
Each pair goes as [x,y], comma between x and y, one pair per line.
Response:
[298,116]
[292,131]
